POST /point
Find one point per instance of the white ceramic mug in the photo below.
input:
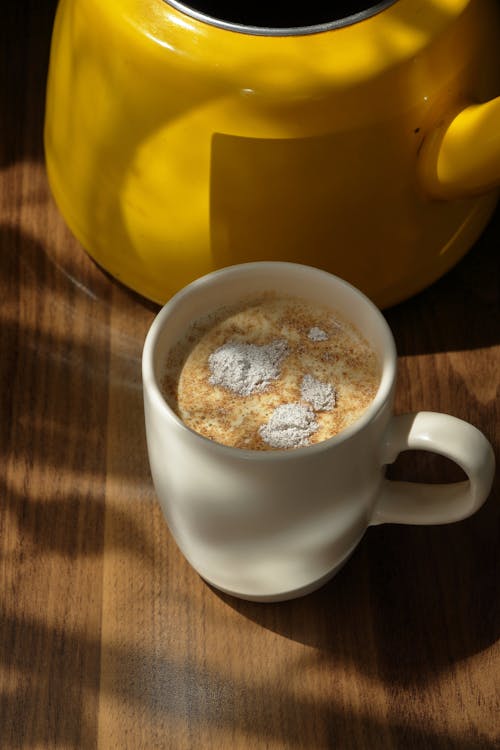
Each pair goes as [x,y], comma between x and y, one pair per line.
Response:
[274,525]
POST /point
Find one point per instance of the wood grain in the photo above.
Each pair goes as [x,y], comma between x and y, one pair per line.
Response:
[108,639]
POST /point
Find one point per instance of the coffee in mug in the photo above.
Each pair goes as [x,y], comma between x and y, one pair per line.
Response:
[271,372]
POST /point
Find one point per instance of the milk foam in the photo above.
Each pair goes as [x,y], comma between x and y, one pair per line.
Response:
[321,362]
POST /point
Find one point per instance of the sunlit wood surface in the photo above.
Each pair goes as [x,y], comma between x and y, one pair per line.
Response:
[107,638]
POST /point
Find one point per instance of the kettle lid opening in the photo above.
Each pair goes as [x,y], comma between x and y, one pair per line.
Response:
[280,18]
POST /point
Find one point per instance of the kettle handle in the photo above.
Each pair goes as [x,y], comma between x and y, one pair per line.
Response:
[461,157]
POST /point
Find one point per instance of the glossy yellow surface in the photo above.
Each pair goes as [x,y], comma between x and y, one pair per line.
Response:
[462,156]
[174,147]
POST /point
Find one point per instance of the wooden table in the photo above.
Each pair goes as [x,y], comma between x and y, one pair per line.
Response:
[108,638]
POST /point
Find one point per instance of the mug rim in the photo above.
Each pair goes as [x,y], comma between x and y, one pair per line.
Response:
[151,385]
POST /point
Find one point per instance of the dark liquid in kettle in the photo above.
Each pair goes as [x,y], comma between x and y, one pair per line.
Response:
[271,15]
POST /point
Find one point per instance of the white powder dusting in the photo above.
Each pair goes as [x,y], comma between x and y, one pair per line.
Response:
[246,368]
[290,426]
[317,334]
[321,396]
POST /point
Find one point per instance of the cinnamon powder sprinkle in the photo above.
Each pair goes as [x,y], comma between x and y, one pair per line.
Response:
[252,376]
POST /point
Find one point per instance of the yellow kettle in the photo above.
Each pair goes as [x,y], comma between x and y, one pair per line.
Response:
[182,137]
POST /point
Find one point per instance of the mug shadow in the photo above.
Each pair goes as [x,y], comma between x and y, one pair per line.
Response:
[409,604]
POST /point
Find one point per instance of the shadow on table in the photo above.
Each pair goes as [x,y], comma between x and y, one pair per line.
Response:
[169,694]
[56,335]
[55,340]
[164,690]
[409,605]
[25,34]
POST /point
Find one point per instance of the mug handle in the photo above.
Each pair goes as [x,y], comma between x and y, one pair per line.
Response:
[414,503]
